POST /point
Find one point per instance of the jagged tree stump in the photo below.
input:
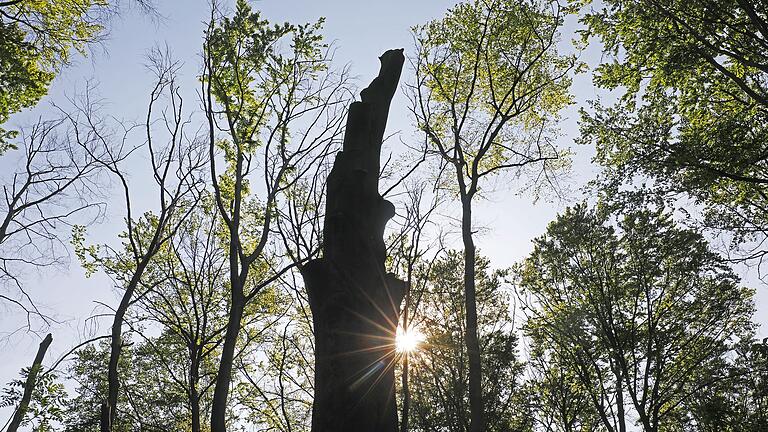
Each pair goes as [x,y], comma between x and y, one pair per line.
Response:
[355,303]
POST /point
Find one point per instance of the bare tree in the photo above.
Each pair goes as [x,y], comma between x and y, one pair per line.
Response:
[56,185]
[177,168]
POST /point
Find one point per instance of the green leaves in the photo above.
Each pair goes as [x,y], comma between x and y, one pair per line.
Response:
[438,369]
[490,86]
[22,80]
[694,107]
[47,407]
[625,300]
[37,38]
[239,48]
[248,67]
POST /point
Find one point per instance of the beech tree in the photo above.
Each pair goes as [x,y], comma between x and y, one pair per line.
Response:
[635,308]
[55,182]
[263,284]
[39,38]
[187,299]
[439,373]
[559,402]
[735,396]
[272,103]
[176,167]
[693,107]
[489,86]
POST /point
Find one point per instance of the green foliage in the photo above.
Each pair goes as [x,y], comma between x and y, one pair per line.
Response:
[438,377]
[490,86]
[694,105]
[260,74]
[38,37]
[22,81]
[150,396]
[634,307]
[499,40]
[735,397]
[249,66]
[239,48]
[277,391]
[560,402]
[47,406]
[121,264]
[184,293]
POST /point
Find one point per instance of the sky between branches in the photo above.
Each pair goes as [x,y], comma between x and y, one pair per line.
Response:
[361,31]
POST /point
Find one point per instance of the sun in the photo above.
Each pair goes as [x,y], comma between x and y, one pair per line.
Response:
[407,341]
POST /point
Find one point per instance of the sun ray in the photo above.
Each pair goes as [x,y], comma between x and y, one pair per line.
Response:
[408,340]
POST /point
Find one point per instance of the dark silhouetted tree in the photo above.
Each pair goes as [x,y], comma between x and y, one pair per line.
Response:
[355,303]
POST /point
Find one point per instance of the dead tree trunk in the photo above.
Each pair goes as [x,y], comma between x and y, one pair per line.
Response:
[355,303]
[29,385]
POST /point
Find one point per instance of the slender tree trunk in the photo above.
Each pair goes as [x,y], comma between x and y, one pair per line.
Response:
[477,417]
[355,303]
[224,377]
[194,395]
[109,407]
[195,411]
[620,401]
[29,385]
[406,396]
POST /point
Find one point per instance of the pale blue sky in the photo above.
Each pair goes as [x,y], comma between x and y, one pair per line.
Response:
[361,30]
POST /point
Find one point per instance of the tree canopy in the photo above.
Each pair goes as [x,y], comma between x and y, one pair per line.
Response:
[693,111]
[641,311]
[37,39]
[269,248]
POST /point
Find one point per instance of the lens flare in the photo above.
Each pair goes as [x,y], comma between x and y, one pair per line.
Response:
[407,341]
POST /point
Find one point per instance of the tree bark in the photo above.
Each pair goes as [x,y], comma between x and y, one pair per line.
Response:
[29,385]
[620,401]
[194,394]
[355,303]
[109,406]
[472,341]
[224,376]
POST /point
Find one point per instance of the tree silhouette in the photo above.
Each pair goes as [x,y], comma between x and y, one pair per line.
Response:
[355,304]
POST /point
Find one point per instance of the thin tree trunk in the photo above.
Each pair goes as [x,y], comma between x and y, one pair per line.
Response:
[109,407]
[477,418]
[406,396]
[194,395]
[224,377]
[355,303]
[29,385]
[238,274]
[620,401]
[195,411]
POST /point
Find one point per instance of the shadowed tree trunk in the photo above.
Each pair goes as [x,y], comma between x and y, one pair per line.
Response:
[29,385]
[355,303]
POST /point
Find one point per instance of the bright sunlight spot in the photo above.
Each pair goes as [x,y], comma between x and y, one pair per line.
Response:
[407,341]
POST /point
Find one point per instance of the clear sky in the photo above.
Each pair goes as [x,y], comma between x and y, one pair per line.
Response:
[361,30]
